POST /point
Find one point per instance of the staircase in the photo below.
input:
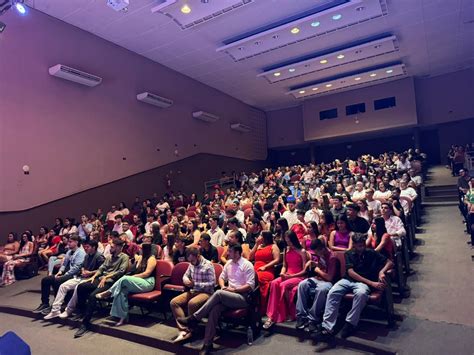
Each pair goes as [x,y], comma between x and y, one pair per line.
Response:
[441,195]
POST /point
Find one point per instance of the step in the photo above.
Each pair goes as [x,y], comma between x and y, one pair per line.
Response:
[441,193]
[439,204]
[441,198]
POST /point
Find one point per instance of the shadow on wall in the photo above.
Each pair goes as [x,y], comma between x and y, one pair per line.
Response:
[187,175]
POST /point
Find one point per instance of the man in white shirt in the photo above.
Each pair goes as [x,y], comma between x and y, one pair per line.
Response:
[313,214]
[217,235]
[240,277]
[127,231]
[314,192]
[393,223]
[407,191]
[417,179]
[308,176]
[359,193]
[374,205]
[403,164]
[290,214]
[233,226]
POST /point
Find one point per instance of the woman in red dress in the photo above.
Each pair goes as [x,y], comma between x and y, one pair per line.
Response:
[266,255]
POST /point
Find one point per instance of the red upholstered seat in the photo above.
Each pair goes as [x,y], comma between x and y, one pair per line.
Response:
[220,251]
[218,268]
[177,288]
[236,313]
[162,271]
[145,297]
[175,282]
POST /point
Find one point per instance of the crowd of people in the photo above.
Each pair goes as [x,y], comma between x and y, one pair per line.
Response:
[277,230]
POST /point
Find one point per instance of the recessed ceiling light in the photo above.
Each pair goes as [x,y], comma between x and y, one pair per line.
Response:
[307,65]
[185,9]
[360,8]
[373,74]
[390,71]
[337,17]
[241,48]
[295,30]
[314,89]
[257,43]
[315,24]
[358,78]
[340,56]
[291,70]
[277,74]
[328,85]
[323,61]
[359,51]
[302,91]
[377,46]
[275,36]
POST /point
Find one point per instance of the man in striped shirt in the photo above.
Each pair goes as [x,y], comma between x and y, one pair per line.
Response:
[200,279]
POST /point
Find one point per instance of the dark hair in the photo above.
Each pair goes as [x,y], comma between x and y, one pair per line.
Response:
[354,207]
[92,243]
[170,238]
[118,216]
[192,251]
[283,223]
[233,220]
[123,204]
[380,228]
[146,253]
[236,247]
[206,236]
[267,237]
[118,242]
[293,239]
[230,212]
[240,237]
[343,218]
[359,238]
[317,244]
[314,227]
[300,212]
[338,197]
[214,218]
[74,237]
[114,234]
[61,223]
[15,236]
[29,238]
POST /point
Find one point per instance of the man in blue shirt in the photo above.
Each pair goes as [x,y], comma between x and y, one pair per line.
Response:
[71,267]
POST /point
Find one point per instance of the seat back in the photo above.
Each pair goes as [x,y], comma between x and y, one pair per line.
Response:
[177,273]
[218,268]
[220,251]
[163,270]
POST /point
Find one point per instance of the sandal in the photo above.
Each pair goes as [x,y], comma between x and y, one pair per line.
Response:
[268,324]
[103,295]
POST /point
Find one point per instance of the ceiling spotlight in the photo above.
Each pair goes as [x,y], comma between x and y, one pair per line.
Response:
[241,48]
[314,89]
[275,36]
[291,70]
[390,71]
[328,85]
[323,61]
[257,43]
[337,17]
[315,24]
[205,1]
[277,74]
[340,56]
[358,78]
[307,65]
[185,9]
[295,30]
[302,91]
[20,8]
[2,27]
[360,8]
[373,74]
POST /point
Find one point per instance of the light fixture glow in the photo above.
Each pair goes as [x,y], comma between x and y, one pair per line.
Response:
[20,8]
[291,70]
[277,74]
[360,8]
[337,17]
[315,24]
[373,74]
[302,91]
[328,85]
[390,71]
[314,89]
[358,78]
[340,56]
[323,61]
[295,30]
[185,9]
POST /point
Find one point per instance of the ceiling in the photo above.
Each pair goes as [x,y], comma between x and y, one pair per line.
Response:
[433,37]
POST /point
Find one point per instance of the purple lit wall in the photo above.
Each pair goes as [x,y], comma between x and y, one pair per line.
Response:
[75,138]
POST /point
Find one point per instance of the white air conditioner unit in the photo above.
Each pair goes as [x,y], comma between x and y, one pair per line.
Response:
[153,99]
[71,74]
[240,127]
[205,116]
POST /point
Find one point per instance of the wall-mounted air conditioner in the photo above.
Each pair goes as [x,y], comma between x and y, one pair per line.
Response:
[240,127]
[71,74]
[205,116]
[155,100]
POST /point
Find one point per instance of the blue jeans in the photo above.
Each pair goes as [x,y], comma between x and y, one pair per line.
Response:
[304,308]
[361,294]
[52,262]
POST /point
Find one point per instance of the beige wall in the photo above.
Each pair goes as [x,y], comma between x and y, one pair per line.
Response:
[404,114]
[285,127]
[74,137]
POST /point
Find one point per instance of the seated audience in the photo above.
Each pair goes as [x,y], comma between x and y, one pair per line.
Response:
[235,238]
[340,239]
[253,231]
[70,267]
[380,240]
[281,306]
[374,205]
[85,228]
[326,224]
[57,259]
[139,280]
[200,280]
[382,194]
[365,271]
[41,239]
[239,275]
[113,268]
[207,250]
[129,248]
[168,250]
[69,227]
[118,224]
[300,227]
[156,250]
[266,256]
[179,254]
[364,211]
[51,248]
[356,224]
[313,214]
[217,235]
[290,214]
[23,256]
[11,247]
[321,272]
[393,224]
[338,209]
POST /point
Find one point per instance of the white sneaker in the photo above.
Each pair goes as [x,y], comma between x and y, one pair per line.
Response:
[52,314]
[64,314]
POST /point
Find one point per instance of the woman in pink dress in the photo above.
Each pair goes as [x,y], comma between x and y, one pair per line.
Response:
[283,289]
[26,249]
